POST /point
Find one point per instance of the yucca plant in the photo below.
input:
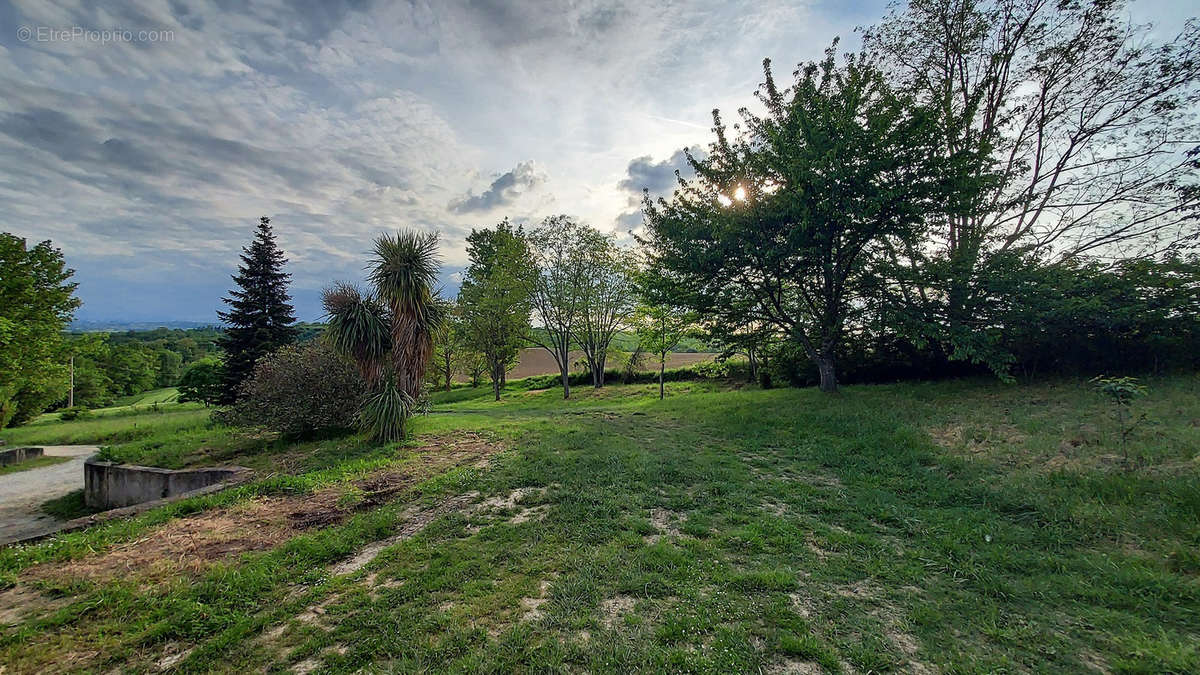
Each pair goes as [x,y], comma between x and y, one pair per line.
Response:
[388,332]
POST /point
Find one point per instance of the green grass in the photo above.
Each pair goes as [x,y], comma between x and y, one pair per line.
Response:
[968,526]
[68,507]
[109,428]
[146,398]
[155,400]
[35,463]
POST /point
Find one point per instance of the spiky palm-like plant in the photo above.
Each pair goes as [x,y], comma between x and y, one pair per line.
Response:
[389,332]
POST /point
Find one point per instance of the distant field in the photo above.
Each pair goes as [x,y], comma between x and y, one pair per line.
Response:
[537,361]
[130,404]
[165,395]
[138,423]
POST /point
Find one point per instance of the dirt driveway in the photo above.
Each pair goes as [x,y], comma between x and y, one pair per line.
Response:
[22,493]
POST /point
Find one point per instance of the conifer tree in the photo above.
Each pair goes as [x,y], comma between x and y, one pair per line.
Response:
[260,315]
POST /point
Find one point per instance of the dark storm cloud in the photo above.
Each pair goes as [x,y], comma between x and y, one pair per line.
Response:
[644,173]
[503,191]
[658,178]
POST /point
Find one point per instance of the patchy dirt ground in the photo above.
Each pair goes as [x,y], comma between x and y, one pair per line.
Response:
[192,543]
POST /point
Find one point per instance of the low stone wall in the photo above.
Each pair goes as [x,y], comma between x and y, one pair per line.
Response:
[108,486]
[14,455]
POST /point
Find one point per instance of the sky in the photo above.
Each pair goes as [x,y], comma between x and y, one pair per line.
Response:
[146,137]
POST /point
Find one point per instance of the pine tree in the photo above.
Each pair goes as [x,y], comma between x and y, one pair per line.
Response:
[260,317]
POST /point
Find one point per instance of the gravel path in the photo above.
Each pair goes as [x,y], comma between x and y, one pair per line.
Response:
[22,493]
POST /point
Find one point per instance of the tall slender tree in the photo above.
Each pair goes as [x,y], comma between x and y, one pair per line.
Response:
[607,299]
[560,249]
[260,317]
[660,328]
[495,297]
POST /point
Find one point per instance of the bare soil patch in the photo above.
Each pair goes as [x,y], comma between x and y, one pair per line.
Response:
[794,667]
[20,603]
[513,502]
[192,543]
[664,521]
[613,609]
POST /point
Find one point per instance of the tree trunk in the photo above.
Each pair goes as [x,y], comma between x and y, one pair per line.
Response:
[566,380]
[662,367]
[825,369]
[448,374]
[600,363]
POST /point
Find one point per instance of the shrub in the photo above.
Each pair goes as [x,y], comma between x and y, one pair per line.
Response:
[77,413]
[299,390]
[202,382]
[712,370]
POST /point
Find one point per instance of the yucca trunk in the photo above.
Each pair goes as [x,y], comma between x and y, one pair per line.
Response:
[414,350]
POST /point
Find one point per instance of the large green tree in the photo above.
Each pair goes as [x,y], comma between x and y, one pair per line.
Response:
[1086,120]
[495,297]
[202,381]
[37,301]
[260,317]
[789,218]
[560,247]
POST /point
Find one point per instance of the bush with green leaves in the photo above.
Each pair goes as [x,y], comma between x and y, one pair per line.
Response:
[299,390]
[202,381]
[712,370]
[78,412]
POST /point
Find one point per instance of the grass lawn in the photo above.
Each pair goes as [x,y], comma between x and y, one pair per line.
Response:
[112,428]
[155,400]
[963,526]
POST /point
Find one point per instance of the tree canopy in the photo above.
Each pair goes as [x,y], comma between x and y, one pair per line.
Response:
[794,212]
[495,297]
[37,301]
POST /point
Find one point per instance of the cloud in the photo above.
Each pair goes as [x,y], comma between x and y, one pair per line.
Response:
[504,191]
[149,163]
[644,173]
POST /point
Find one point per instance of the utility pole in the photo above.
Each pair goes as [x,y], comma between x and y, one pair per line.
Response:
[71,394]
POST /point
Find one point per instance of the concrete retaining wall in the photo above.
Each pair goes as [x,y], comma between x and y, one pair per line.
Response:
[109,486]
[14,455]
